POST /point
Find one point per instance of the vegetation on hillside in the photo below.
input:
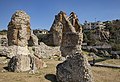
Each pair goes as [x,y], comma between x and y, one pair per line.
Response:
[3,32]
[114,40]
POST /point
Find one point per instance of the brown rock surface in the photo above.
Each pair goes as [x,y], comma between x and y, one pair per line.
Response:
[56,29]
[19,34]
[62,20]
[72,35]
[19,29]
[74,69]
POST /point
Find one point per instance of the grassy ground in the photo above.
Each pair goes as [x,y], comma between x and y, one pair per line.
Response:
[100,74]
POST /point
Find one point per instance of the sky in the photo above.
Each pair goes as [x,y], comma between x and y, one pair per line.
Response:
[42,12]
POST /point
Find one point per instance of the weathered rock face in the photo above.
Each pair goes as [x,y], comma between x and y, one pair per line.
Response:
[56,29]
[19,63]
[19,35]
[19,29]
[70,44]
[72,36]
[61,20]
[74,69]
[21,60]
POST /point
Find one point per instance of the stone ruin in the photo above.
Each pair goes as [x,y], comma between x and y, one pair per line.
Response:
[19,36]
[56,30]
[57,26]
[76,67]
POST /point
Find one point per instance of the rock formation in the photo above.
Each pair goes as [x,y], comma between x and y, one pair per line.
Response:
[57,26]
[56,29]
[19,29]
[76,67]
[72,35]
[19,33]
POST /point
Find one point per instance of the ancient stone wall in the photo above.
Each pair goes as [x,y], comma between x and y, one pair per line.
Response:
[76,67]
[56,29]
[72,35]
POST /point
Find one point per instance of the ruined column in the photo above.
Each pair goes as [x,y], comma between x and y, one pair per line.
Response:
[76,67]
[56,30]
[72,36]
[18,36]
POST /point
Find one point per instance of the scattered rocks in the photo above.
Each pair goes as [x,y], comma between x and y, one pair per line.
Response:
[44,51]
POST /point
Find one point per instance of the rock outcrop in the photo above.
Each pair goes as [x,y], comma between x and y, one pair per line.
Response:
[56,29]
[19,35]
[62,21]
[72,35]
[57,26]
[76,67]
[19,29]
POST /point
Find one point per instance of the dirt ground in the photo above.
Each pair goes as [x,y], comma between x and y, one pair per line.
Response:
[101,74]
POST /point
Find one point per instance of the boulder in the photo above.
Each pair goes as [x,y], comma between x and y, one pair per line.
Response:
[19,63]
[74,69]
